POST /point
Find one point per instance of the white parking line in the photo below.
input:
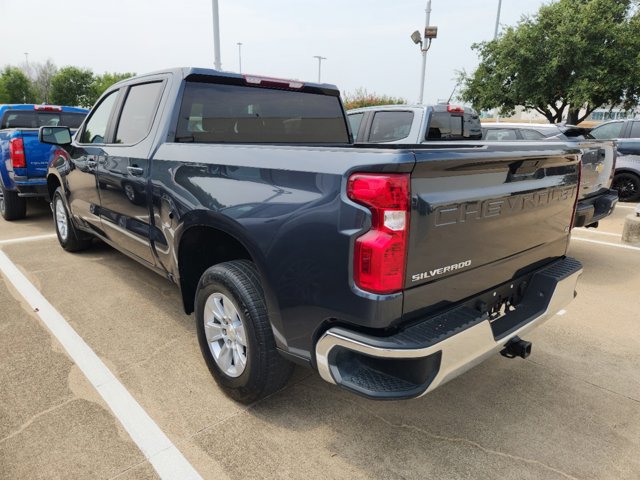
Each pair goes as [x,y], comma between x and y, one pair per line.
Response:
[163,455]
[627,247]
[630,207]
[591,230]
[27,239]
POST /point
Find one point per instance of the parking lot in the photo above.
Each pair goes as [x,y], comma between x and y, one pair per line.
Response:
[570,411]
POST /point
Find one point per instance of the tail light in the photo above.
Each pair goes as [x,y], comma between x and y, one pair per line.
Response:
[380,254]
[455,109]
[16,153]
[575,205]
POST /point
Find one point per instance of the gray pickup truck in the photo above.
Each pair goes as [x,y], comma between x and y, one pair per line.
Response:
[390,269]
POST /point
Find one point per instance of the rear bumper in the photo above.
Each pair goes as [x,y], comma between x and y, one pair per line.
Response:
[438,349]
[31,187]
[593,209]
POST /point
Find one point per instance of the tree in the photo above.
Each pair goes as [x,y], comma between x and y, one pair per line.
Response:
[72,86]
[102,82]
[44,73]
[15,87]
[572,57]
[362,98]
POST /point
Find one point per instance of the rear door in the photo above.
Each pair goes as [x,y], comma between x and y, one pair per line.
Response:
[123,170]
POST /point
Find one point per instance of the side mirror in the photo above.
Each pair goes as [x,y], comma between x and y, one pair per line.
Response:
[55,135]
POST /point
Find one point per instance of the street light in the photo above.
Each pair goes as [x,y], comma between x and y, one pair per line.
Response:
[319,65]
[430,32]
[240,57]
[217,64]
[495,33]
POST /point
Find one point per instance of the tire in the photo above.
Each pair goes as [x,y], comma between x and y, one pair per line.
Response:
[246,372]
[69,237]
[628,186]
[12,206]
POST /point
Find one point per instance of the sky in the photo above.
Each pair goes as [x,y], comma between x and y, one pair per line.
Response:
[366,42]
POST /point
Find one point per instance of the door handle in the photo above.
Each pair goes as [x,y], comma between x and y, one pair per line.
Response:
[135,171]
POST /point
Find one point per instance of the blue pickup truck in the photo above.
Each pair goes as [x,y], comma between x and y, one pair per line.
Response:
[23,159]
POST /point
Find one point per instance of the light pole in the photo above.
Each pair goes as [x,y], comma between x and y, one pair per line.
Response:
[216,36]
[425,43]
[319,65]
[495,33]
[240,57]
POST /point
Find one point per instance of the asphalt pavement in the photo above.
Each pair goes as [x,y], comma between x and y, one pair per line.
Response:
[570,411]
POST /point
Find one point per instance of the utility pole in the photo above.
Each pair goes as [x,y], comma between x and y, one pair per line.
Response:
[425,48]
[319,65]
[240,57]
[216,36]
[495,33]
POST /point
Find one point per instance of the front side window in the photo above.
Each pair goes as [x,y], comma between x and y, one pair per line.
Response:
[608,131]
[390,126]
[138,112]
[635,130]
[96,128]
[221,113]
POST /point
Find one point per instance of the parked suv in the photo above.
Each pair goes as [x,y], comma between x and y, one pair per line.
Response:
[597,199]
[627,174]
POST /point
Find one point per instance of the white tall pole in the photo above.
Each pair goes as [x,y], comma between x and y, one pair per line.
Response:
[495,33]
[424,53]
[319,65]
[216,36]
[240,57]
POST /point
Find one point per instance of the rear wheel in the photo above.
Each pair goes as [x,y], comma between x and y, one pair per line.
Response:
[628,186]
[12,207]
[69,237]
[235,335]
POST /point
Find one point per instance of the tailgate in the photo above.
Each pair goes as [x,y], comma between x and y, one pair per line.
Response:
[37,154]
[482,216]
[598,160]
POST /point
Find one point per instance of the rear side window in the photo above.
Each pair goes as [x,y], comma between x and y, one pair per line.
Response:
[608,131]
[96,128]
[500,134]
[138,112]
[532,134]
[214,113]
[449,126]
[390,126]
[27,119]
[635,130]
[355,120]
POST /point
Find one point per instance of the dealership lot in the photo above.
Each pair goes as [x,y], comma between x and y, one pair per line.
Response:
[572,410]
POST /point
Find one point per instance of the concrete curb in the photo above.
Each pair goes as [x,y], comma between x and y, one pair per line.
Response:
[631,232]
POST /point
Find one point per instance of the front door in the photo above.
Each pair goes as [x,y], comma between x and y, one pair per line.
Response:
[84,199]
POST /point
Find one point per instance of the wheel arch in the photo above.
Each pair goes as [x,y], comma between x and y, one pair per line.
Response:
[206,239]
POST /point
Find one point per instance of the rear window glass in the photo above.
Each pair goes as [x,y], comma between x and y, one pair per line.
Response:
[390,126]
[213,113]
[448,126]
[32,119]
